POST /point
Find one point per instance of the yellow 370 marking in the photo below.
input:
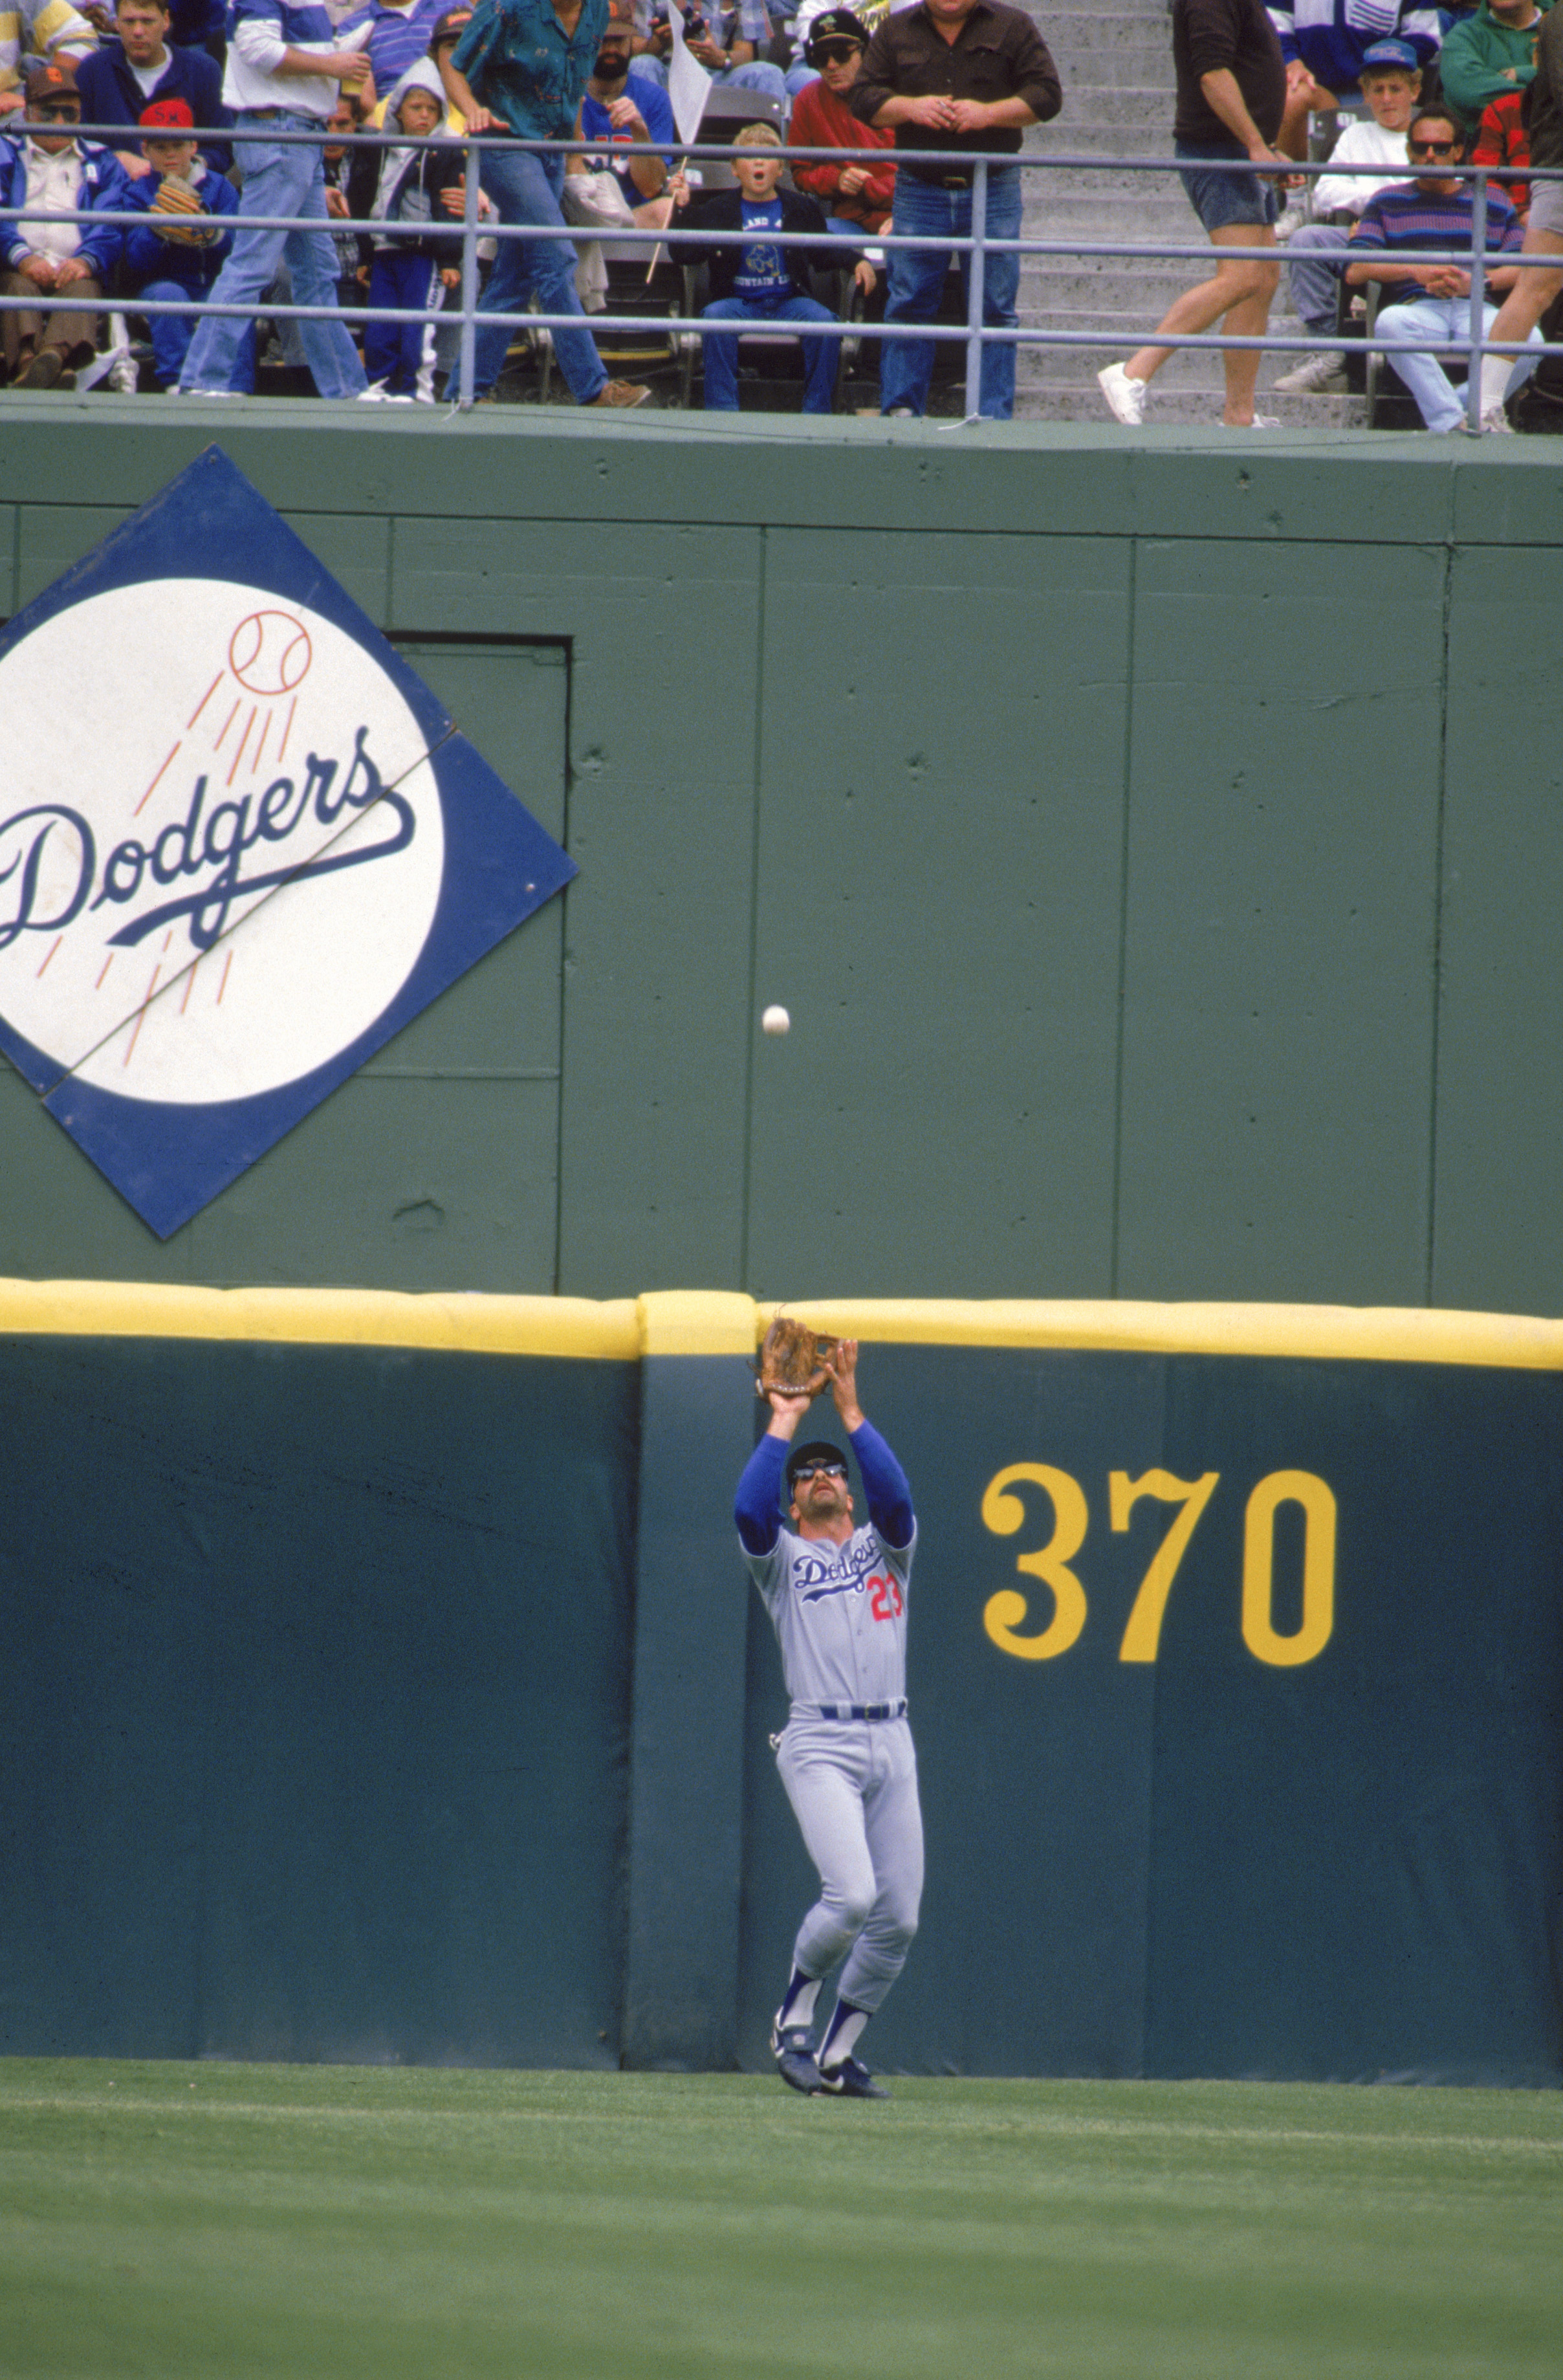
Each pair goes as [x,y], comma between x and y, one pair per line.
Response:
[1006,1612]
[1003,1513]
[1143,1636]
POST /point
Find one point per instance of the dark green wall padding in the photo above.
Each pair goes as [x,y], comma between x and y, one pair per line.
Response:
[315,1701]
[1157,843]
[409,1704]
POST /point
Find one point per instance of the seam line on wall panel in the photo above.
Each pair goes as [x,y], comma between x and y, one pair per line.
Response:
[1122,920]
[754,924]
[389,610]
[569,765]
[480,640]
[457,1075]
[1438,928]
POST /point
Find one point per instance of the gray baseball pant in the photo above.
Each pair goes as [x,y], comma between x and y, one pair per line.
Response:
[853,1786]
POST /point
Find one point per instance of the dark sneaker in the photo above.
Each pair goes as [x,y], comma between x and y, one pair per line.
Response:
[42,370]
[851,2080]
[792,2049]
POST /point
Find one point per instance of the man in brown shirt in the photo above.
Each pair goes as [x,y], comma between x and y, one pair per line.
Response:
[962,76]
[1231,96]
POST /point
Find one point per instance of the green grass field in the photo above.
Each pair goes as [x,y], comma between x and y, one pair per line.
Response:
[223,2221]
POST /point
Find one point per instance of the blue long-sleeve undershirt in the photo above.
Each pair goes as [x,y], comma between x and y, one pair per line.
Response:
[757,1507]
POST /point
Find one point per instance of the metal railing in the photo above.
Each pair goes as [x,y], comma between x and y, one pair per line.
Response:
[974,247]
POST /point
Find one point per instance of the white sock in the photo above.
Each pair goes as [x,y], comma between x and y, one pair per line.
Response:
[798,2007]
[841,2041]
[1494,380]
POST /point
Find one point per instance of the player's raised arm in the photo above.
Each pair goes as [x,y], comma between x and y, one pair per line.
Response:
[884,1482]
[756,1508]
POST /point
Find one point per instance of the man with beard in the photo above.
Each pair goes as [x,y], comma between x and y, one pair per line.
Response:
[612,191]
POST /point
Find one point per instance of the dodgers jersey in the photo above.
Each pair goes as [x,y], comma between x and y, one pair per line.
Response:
[839,1612]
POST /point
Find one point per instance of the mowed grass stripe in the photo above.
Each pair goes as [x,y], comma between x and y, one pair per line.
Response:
[283,2220]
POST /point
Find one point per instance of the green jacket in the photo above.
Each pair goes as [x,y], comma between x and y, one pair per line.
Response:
[1472,63]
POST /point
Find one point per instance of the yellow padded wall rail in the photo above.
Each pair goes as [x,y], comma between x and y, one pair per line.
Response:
[719,1322]
[369,1318]
[1369,1334]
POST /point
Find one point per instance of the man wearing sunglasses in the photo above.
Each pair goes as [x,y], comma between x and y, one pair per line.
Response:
[61,266]
[853,195]
[836,1594]
[1430,308]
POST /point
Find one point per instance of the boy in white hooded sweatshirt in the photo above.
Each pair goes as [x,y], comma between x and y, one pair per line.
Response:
[404,185]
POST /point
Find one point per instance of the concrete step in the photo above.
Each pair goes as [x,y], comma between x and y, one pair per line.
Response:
[1086,32]
[1102,53]
[1140,105]
[1056,207]
[1172,408]
[1190,368]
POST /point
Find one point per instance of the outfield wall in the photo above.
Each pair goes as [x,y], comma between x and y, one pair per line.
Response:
[1158,841]
[378,1681]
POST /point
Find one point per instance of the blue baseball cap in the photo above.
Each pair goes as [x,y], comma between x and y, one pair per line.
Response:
[1390,54]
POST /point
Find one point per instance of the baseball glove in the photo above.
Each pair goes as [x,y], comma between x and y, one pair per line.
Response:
[791,1359]
[175,198]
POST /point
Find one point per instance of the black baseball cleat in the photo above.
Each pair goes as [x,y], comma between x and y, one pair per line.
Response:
[793,2048]
[851,2080]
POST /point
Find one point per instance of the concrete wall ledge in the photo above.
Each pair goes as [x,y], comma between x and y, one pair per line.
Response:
[550,463]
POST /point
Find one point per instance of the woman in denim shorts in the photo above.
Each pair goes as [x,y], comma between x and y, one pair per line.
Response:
[1230,69]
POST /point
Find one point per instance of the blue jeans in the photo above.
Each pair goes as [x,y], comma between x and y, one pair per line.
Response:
[722,355]
[1218,198]
[759,74]
[524,189]
[278,180]
[1314,261]
[171,333]
[1439,323]
[916,281]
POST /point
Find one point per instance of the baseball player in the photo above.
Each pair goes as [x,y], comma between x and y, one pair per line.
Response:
[837,1598]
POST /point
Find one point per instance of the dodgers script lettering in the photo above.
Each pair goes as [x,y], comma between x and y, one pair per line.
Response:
[202,854]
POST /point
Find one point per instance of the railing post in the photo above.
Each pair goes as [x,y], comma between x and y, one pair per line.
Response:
[1478,302]
[468,283]
[977,278]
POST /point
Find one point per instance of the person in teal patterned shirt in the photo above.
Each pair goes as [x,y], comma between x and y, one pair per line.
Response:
[519,69]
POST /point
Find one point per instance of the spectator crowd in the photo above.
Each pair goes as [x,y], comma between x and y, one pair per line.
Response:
[209,122]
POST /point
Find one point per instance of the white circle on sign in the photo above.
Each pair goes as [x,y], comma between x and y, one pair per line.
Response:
[157,726]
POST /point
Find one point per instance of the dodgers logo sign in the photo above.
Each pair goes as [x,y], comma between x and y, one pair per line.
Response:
[241,843]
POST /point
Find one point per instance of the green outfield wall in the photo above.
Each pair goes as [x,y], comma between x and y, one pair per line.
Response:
[380,1681]
[1156,841]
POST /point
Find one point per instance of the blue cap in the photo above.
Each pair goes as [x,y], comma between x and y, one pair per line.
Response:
[1390,54]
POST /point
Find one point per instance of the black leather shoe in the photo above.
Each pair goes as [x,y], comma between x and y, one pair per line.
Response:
[792,2049]
[851,2080]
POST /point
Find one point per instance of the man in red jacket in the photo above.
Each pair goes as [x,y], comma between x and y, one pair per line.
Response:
[854,197]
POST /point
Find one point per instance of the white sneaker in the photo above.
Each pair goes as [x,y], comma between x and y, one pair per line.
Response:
[1494,418]
[1126,398]
[1323,375]
[1292,217]
[1260,422]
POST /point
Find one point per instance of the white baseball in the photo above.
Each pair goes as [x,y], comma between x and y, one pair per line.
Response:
[776,1020]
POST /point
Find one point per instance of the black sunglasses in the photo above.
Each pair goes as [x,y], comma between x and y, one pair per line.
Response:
[813,1470]
[1432,148]
[835,54]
